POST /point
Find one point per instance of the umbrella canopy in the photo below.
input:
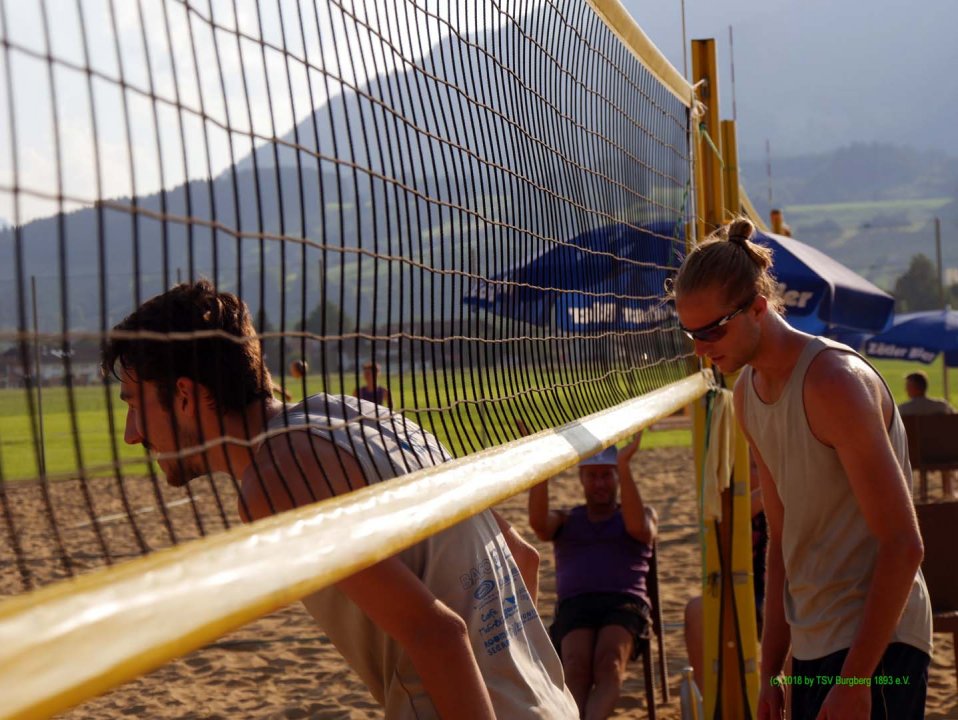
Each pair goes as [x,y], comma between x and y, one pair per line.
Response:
[920,337]
[820,292]
[610,277]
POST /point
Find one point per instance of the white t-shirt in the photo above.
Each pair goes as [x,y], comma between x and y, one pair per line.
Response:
[468,567]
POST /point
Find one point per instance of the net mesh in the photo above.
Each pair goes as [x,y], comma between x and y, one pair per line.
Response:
[479,201]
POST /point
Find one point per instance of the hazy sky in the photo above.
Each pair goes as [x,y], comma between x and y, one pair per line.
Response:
[201,55]
[813,75]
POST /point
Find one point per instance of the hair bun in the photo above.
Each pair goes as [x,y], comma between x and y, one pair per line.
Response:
[740,231]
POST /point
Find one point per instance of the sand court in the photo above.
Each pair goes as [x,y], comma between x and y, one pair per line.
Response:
[282,666]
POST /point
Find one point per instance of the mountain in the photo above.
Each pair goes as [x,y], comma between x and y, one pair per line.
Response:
[442,164]
[854,173]
[870,206]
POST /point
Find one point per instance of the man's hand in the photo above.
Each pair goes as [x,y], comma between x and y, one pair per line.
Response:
[851,702]
[641,522]
[626,453]
[771,702]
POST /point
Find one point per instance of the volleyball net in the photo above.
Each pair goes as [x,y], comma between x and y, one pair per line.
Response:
[473,207]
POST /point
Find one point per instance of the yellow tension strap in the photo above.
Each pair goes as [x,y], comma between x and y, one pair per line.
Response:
[71,641]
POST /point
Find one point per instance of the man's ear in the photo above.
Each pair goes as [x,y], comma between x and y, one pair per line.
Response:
[190,395]
[760,306]
[186,395]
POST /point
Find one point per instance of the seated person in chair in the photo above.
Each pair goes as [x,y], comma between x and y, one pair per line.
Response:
[918,403]
[602,553]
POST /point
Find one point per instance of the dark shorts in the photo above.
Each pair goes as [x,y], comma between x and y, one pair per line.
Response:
[898,686]
[596,610]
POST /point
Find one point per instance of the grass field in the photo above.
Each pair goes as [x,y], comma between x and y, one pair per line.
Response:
[97,445]
[853,214]
[468,426]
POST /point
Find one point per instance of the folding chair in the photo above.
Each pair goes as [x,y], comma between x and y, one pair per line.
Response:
[932,445]
[645,648]
[938,523]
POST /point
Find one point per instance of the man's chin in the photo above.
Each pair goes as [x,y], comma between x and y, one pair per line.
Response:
[175,475]
[726,364]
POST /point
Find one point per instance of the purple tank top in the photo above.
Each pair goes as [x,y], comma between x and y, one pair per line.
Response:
[599,557]
[375,395]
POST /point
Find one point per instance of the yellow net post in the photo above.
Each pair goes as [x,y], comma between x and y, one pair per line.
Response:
[730,638]
[742,587]
[711,189]
[733,203]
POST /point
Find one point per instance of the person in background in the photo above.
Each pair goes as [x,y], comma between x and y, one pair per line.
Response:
[602,553]
[371,390]
[779,226]
[918,403]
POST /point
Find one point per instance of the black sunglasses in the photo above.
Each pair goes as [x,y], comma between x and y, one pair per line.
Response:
[715,331]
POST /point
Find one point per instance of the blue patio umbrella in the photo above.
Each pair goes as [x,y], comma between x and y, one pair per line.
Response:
[919,336]
[610,277]
[820,293]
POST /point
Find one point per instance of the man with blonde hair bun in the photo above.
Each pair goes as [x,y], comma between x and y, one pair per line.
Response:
[843,584]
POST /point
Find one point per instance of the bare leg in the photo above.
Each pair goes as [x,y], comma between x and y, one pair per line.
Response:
[613,646]
[577,651]
[694,638]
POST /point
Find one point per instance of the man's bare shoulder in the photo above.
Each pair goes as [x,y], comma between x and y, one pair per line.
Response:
[836,376]
[297,468]
[844,396]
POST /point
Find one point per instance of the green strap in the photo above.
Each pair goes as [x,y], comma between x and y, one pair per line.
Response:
[705,133]
[709,405]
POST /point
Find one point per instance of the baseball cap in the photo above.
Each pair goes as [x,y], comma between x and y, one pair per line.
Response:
[606,457]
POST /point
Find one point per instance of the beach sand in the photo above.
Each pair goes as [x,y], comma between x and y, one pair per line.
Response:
[283,667]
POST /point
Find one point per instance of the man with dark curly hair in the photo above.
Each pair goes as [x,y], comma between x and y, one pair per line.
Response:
[447,628]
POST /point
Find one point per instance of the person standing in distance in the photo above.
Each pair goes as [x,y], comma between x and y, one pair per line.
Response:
[843,584]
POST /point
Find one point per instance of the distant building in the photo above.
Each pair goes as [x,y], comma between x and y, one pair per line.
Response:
[81,360]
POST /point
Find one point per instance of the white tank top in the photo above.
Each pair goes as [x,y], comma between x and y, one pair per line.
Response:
[828,551]
[468,567]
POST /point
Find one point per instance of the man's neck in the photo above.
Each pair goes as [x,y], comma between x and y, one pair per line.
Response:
[778,351]
[598,513]
[249,425]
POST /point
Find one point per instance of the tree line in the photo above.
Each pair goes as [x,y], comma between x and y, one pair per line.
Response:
[917,288]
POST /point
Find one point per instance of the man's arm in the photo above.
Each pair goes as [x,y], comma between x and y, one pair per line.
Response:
[776,635]
[435,638]
[641,521]
[545,523]
[847,408]
[291,473]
